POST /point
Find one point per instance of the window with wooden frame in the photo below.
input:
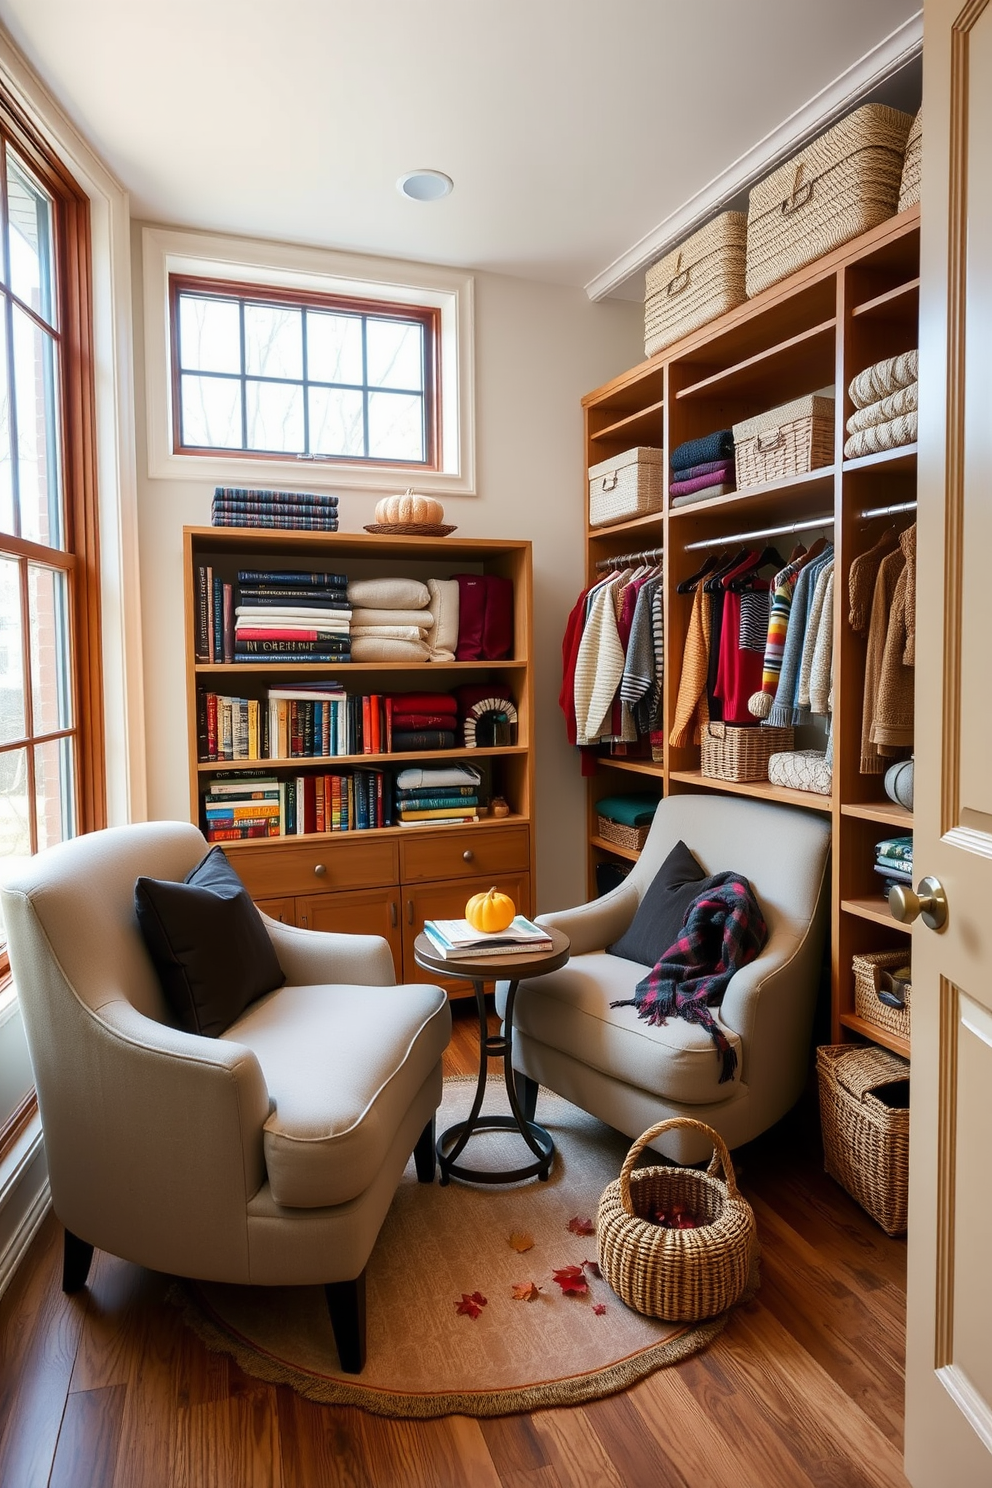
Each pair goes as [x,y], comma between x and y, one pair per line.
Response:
[52,783]
[272,373]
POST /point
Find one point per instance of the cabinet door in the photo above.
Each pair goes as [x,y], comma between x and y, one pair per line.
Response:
[278,909]
[446,901]
[356,912]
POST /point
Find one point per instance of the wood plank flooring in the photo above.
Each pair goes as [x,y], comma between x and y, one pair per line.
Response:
[803,1389]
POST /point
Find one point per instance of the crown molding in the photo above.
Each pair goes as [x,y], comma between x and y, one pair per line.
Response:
[866,75]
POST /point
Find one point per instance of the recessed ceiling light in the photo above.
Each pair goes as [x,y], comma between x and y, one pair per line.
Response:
[425,185]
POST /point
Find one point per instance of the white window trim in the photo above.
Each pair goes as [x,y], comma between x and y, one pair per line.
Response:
[168,251]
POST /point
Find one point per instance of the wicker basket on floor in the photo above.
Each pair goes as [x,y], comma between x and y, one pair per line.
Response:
[790,440]
[869,969]
[681,1275]
[866,1139]
[733,753]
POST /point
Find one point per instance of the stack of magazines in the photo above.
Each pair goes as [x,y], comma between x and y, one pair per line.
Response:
[454,939]
[234,506]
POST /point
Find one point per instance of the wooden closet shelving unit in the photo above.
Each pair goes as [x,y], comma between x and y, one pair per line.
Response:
[388,880]
[814,330]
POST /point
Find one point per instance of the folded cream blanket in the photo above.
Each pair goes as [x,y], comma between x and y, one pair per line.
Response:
[877,382]
[444,612]
[387,632]
[389,594]
[422,618]
[879,437]
[906,400]
[381,648]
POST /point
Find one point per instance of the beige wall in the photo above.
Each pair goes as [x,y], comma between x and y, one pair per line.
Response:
[538,349]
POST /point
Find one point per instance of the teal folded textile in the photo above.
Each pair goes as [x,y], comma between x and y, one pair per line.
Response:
[629,811]
[716,446]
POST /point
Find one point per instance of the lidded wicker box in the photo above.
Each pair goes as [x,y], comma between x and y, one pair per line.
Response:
[912,169]
[629,485]
[864,1113]
[840,185]
[683,1275]
[696,282]
[730,752]
[872,971]
[789,440]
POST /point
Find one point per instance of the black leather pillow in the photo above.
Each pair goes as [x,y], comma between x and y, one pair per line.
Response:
[656,925]
[209,945]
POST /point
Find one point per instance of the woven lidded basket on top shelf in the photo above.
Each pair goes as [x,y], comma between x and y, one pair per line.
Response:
[733,753]
[681,1275]
[912,169]
[696,282]
[865,1137]
[792,439]
[629,485]
[842,184]
[871,970]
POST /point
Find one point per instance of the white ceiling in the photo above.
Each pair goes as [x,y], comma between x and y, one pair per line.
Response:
[572,128]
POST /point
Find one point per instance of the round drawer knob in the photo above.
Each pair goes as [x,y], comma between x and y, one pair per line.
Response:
[468,855]
[320,870]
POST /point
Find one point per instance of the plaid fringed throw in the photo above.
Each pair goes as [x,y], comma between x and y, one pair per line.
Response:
[723,930]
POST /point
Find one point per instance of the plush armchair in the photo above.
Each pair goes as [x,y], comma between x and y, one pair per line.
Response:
[266,1156]
[630,1074]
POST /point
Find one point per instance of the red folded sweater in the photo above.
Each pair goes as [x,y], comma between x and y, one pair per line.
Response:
[424,702]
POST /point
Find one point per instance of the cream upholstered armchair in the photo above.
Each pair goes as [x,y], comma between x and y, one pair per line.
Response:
[267,1155]
[630,1074]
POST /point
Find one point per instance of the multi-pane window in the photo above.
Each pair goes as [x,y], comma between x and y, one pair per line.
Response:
[50,784]
[261,373]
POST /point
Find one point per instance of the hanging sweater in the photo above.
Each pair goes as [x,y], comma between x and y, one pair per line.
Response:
[598,667]
[889,570]
[812,636]
[783,588]
[892,726]
[785,708]
[862,577]
[692,708]
[822,668]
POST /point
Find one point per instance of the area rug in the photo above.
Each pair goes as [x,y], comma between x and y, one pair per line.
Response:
[464,1312]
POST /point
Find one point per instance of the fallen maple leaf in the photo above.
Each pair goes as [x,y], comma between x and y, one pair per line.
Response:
[521,1241]
[471,1306]
[580,1226]
[599,1308]
[592,1267]
[571,1279]
[526,1291]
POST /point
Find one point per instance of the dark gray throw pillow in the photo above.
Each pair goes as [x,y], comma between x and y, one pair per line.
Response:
[656,925]
[209,945]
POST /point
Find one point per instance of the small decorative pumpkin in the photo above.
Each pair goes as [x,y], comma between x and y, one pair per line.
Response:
[490,912]
[409,508]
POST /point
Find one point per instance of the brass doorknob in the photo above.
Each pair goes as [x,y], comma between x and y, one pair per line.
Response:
[929,902]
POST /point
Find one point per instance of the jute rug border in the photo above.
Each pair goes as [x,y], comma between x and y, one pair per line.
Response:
[221,1337]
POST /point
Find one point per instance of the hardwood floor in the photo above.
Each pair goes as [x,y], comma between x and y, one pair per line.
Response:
[803,1389]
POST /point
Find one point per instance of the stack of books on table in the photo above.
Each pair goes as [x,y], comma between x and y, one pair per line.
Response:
[455,939]
[233,506]
[285,615]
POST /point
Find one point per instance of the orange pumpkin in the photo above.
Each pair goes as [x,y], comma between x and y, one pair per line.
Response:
[490,912]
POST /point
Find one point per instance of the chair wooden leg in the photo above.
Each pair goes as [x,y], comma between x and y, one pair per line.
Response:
[424,1154]
[526,1089]
[346,1305]
[76,1257]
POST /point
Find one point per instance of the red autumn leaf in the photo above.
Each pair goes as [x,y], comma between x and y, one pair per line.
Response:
[526,1291]
[599,1308]
[471,1306]
[593,1268]
[521,1241]
[572,1280]
[580,1226]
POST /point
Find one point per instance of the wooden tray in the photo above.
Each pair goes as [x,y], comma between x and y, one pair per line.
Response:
[410,529]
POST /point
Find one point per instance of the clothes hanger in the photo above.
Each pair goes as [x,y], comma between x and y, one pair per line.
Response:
[714,584]
[769,557]
[688,586]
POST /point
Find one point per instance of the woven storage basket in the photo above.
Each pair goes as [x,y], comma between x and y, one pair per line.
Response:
[837,187]
[621,834]
[697,282]
[788,440]
[912,169]
[868,971]
[681,1275]
[733,753]
[630,485]
[865,1141]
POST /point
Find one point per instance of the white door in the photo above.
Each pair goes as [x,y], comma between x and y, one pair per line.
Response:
[949,1347]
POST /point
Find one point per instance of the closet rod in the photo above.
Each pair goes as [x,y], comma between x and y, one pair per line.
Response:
[734,537]
[888,511]
[650,555]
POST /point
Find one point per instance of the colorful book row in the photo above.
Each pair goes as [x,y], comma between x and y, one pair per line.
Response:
[353,801]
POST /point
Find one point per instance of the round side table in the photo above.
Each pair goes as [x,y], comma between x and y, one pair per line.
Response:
[513,967]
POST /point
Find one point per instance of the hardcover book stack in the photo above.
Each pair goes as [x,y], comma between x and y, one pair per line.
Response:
[894,861]
[240,807]
[456,939]
[292,616]
[234,506]
[243,806]
[426,797]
